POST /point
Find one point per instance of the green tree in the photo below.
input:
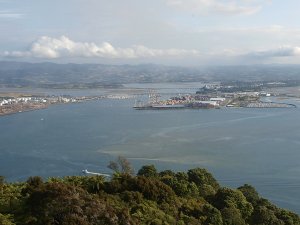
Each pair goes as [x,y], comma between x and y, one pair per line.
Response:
[265,216]
[232,216]
[192,207]
[287,217]
[201,176]
[1,184]
[152,189]
[204,180]
[166,173]
[228,198]
[92,184]
[2,180]
[250,193]
[180,185]
[151,198]
[149,213]
[121,166]
[6,219]
[212,215]
[61,203]
[181,176]
[148,171]
[11,197]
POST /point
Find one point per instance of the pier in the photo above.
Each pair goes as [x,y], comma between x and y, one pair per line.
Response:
[269,105]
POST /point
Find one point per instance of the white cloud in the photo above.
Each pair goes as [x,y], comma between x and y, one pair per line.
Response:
[16,54]
[225,7]
[52,48]
[283,51]
[10,15]
[272,29]
[227,52]
[63,47]
[280,52]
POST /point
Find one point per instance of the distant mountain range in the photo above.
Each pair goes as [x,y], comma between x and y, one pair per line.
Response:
[53,75]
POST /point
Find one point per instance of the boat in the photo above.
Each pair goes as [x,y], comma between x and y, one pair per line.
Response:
[85,171]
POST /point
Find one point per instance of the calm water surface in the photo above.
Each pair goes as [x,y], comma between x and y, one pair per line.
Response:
[256,146]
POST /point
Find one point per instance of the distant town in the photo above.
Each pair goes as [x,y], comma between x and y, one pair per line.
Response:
[241,94]
[212,95]
[12,104]
[209,101]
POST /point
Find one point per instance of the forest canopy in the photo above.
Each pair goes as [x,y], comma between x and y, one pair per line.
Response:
[150,197]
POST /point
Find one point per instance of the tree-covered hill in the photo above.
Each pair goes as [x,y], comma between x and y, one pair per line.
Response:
[54,75]
[150,197]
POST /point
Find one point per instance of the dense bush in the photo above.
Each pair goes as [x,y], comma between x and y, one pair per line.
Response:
[151,197]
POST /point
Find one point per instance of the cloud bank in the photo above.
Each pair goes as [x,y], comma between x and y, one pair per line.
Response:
[230,7]
[53,48]
[10,15]
[283,51]
[65,48]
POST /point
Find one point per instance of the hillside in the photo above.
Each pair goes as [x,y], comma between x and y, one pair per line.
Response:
[151,197]
[53,75]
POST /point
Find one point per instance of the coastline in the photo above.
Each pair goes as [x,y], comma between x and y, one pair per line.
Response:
[6,111]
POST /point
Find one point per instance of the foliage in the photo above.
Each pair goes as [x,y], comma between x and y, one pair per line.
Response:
[152,189]
[201,176]
[152,197]
[181,186]
[230,199]
[232,216]
[121,166]
[250,193]
[6,219]
[92,184]
[148,171]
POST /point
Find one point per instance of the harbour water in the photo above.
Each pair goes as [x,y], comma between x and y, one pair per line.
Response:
[260,147]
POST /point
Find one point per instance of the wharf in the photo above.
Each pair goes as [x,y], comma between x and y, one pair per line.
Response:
[270,105]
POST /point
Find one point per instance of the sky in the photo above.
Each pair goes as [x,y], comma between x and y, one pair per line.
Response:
[172,32]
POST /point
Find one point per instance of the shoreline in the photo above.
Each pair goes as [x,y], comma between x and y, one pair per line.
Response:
[20,109]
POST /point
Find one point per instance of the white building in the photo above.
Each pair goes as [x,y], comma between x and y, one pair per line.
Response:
[217,99]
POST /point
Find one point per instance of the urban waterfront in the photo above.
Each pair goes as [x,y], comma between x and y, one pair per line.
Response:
[255,146]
